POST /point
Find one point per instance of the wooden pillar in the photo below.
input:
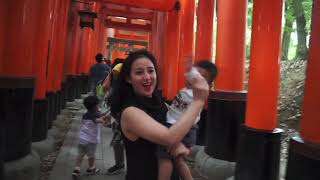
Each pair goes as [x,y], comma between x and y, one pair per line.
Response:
[161,27]
[3,23]
[41,45]
[83,53]
[73,50]
[264,68]
[226,107]
[153,45]
[205,14]
[309,130]
[63,18]
[259,153]
[16,79]
[19,38]
[231,36]
[304,152]
[52,63]
[186,40]
[171,55]
[2,44]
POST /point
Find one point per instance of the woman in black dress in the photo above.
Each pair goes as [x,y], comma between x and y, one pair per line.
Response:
[141,110]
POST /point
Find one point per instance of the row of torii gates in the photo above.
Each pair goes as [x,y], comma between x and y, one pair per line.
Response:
[45,57]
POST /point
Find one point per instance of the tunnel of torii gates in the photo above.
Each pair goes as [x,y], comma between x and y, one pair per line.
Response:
[45,57]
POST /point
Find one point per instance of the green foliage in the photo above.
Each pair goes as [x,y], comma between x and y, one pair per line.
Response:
[288,16]
[307,6]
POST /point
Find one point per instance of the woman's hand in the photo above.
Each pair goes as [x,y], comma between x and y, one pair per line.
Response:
[200,88]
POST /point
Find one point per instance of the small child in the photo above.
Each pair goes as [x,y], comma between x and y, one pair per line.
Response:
[179,105]
[89,135]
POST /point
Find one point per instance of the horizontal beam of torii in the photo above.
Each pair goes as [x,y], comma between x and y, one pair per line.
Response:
[127,14]
[159,5]
[128,26]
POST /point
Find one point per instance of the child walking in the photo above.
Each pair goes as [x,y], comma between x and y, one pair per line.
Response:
[180,104]
[89,135]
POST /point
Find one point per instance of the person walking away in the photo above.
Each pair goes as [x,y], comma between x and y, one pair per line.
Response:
[97,73]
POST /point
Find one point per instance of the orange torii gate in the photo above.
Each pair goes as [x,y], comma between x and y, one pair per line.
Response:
[45,58]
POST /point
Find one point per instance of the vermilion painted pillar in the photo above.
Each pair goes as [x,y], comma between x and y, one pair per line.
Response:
[41,103]
[226,106]
[83,53]
[19,38]
[110,33]
[231,36]
[205,13]
[53,63]
[161,27]
[171,55]
[85,49]
[73,47]
[2,44]
[304,152]
[3,22]
[104,37]
[100,39]
[16,79]
[63,18]
[186,40]
[92,51]
[152,46]
[259,146]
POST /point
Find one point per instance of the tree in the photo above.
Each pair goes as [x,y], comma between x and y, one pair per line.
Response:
[286,37]
[299,14]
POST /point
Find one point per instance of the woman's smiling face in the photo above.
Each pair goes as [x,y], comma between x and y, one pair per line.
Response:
[143,77]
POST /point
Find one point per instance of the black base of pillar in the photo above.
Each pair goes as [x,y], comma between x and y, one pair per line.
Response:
[71,88]
[84,83]
[2,144]
[40,120]
[78,81]
[16,99]
[58,102]
[50,98]
[258,155]
[303,161]
[226,112]
[63,95]
[55,106]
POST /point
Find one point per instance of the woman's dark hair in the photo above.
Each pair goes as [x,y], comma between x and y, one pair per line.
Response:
[209,67]
[121,87]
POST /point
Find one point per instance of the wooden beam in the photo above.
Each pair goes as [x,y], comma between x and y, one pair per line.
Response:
[128,14]
[127,41]
[134,27]
[160,5]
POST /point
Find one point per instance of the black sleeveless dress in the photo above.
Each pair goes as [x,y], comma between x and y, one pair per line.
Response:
[142,158]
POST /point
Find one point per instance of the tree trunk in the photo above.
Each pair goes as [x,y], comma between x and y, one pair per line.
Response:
[286,36]
[301,52]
